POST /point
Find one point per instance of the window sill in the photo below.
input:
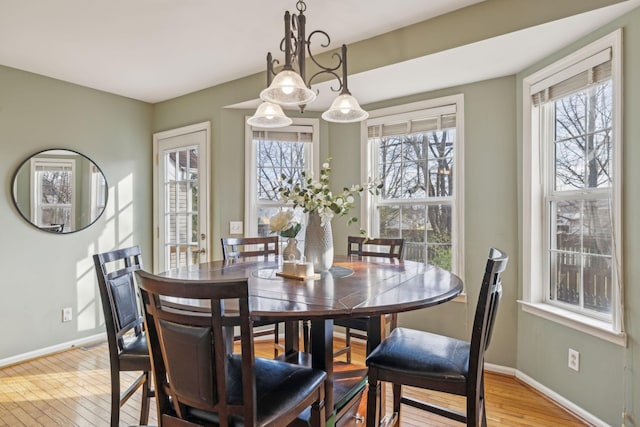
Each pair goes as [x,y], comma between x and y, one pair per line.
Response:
[576,321]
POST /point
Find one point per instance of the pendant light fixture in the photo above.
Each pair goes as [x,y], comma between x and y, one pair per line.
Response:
[289,87]
[268,114]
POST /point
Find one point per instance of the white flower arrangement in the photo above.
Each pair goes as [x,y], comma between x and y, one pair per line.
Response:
[285,223]
[316,196]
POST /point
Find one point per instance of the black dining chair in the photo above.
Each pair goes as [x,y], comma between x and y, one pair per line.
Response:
[239,248]
[378,248]
[200,382]
[436,362]
[124,324]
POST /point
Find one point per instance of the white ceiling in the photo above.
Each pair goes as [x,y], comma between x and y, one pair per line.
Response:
[153,50]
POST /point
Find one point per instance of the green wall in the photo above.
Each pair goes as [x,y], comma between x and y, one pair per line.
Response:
[43,272]
[609,375]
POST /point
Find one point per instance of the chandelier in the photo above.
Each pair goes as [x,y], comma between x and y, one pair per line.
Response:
[289,87]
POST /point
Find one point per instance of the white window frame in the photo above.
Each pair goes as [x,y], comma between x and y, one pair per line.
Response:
[535,175]
[251,199]
[36,190]
[417,110]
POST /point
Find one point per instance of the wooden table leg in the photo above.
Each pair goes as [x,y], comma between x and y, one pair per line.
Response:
[322,357]
[291,337]
[376,330]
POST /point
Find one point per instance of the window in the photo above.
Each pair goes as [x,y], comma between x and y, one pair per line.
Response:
[574,184]
[53,192]
[270,153]
[415,151]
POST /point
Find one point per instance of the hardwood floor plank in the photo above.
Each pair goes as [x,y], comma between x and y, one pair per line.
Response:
[72,389]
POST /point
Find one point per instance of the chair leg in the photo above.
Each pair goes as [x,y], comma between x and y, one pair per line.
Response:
[305,335]
[276,332]
[318,417]
[347,343]
[146,398]
[115,399]
[374,408]
[397,398]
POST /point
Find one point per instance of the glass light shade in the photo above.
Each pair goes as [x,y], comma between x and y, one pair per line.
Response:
[288,88]
[269,115]
[345,109]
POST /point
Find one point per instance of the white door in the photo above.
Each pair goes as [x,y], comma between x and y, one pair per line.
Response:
[181,177]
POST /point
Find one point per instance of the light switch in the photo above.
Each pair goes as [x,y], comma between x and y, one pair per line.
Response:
[235,227]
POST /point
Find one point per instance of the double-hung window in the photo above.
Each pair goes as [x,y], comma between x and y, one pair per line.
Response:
[415,151]
[573,162]
[269,154]
[53,192]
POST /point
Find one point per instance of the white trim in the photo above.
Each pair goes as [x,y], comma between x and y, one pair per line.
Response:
[299,125]
[204,174]
[19,358]
[533,206]
[588,325]
[560,400]
[431,107]
[499,369]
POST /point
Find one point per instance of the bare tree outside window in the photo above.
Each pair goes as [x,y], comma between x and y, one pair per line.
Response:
[416,170]
[275,158]
[581,251]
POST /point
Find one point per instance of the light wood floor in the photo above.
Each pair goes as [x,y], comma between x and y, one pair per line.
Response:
[72,389]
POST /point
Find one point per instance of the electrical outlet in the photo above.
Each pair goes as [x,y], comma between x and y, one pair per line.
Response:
[574,359]
[67,314]
[235,227]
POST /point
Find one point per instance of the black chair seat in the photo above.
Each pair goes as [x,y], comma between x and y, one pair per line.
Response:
[423,354]
[280,386]
[135,354]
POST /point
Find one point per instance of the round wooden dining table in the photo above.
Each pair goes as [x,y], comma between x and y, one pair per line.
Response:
[353,287]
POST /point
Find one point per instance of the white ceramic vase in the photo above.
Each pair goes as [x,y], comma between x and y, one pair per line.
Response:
[318,244]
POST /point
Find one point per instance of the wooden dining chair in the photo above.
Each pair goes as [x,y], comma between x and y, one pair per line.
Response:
[436,362]
[201,382]
[238,248]
[124,324]
[380,248]
[234,248]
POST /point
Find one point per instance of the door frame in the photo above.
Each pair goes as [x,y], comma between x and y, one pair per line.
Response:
[204,174]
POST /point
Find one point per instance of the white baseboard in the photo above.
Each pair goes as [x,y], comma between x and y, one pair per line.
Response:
[562,401]
[50,350]
[548,393]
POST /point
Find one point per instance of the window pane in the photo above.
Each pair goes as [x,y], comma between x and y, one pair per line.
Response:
[569,163]
[565,277]
[567,225]
[389,218]
[597,283]
[414,223]
[602,100]
[439,236]
[599,165]
[414,180]
[597,227]
[570,116]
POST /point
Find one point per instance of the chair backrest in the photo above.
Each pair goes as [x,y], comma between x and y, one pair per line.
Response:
[486,310]
[117,286]
[384,248]
[244,247]
[188,348]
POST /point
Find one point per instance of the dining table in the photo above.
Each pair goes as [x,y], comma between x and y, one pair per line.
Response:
[353,287]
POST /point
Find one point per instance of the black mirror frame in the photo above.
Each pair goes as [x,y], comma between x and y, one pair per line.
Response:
[55,230]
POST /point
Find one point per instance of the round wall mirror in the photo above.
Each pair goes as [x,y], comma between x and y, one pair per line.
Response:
[59,191]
